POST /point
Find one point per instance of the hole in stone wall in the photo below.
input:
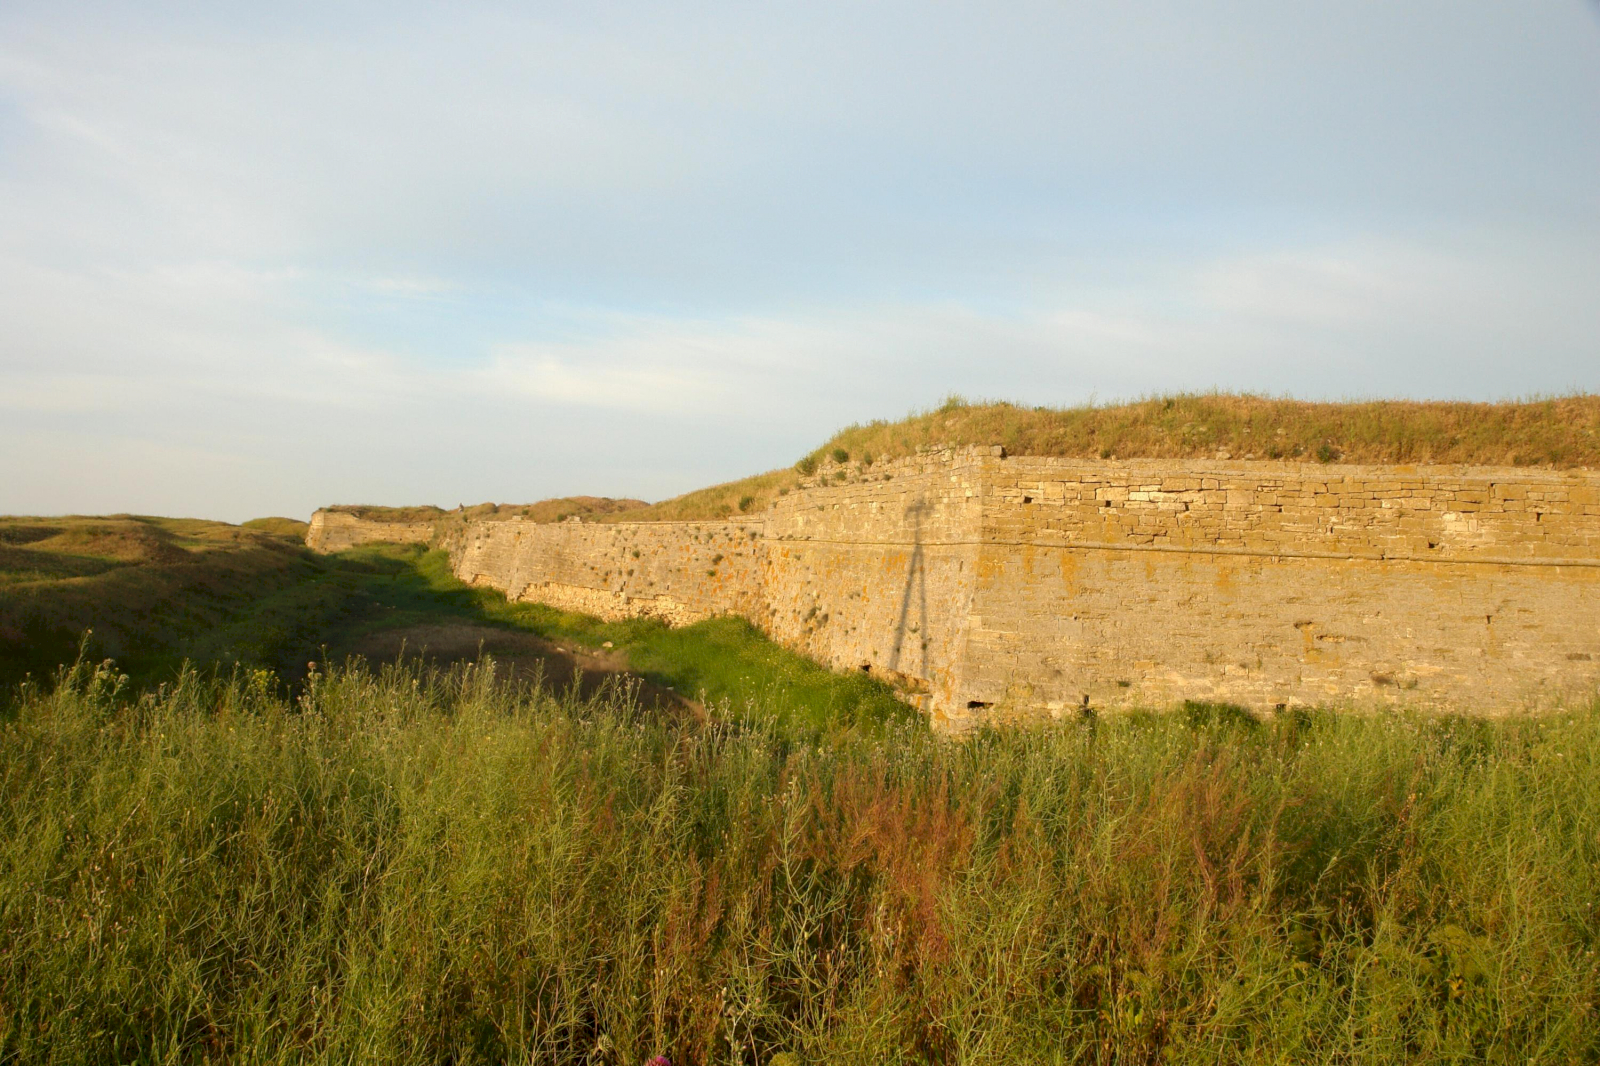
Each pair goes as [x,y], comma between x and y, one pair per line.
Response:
[974,705]
[866,668]
[1027,499]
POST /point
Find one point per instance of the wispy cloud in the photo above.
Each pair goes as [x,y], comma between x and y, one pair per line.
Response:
[418,288]
[596,378]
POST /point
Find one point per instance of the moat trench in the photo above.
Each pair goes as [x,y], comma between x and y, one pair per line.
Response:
[522,657]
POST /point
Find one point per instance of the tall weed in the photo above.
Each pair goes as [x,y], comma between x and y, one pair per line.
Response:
[404,865]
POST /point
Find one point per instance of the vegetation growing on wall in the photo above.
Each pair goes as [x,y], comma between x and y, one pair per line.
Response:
[1560,433]
[717,501]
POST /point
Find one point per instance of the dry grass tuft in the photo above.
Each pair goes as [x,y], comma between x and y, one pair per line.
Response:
[748,495]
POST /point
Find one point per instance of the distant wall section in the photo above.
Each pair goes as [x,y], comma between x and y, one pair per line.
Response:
[334,530]
[680,572]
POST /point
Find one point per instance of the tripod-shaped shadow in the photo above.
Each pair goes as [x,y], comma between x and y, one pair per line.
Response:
[916,576]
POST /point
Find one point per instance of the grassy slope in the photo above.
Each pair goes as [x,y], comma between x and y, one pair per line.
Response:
[400,869]
[1560,433]
[291,528]
[158,591]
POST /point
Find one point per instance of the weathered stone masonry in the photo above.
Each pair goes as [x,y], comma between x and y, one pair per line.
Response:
[986,586]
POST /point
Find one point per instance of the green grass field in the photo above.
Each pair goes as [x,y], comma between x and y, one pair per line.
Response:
[415,867]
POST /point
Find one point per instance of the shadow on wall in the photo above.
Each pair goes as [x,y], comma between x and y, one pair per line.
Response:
[916,577]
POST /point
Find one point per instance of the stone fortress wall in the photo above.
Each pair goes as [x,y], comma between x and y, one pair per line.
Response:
[988,587]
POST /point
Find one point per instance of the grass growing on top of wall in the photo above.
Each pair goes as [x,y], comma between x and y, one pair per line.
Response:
[721,661]
[407,867]
[1562,433]
[750,495]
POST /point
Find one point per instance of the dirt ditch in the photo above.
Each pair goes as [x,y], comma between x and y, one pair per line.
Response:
[522,657]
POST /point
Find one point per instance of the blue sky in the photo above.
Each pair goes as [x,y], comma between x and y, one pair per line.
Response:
[258,258]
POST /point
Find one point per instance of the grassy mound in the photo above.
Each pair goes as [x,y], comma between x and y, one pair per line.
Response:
[291,528]
[420,868]
[155,591]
